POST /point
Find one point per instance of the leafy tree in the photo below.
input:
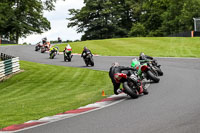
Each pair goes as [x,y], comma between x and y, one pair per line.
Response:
[20,18]
[137,30]
[102,19]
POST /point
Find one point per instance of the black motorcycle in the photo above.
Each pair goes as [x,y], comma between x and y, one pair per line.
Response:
[88,59]
[155,68]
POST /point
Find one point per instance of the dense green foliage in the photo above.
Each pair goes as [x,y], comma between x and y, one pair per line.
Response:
[46,90]
[154,46]
[19,18]
[101,19]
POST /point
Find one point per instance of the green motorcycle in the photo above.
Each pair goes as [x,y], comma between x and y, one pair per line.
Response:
[145,71]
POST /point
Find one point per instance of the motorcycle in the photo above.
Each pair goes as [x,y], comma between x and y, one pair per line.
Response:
[131,84]
[88,59]
[38,46]
[153,64]
[52,54]
[67,55]
[145,71]
[44,48]
[157,67]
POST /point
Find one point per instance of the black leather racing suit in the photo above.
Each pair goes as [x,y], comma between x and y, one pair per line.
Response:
[145,57]
[85,51]
[113,71]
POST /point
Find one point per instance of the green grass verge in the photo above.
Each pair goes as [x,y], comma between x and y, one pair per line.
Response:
[9,44]
[45,90]
[154,46]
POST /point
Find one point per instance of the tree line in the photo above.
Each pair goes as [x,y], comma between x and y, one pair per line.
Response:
[19,18]
[101,19]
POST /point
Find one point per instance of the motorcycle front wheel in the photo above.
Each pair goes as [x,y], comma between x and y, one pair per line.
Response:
[159,71]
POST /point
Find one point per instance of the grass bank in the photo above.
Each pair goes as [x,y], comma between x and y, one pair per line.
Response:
[154,46]
[9,44]
[45,90]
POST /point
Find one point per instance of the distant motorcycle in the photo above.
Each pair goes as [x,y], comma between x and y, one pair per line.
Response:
[67,55]
[145,71]
[131,84]
[38,46]
[88,59]
[44,48]
[153,64]
[52,54]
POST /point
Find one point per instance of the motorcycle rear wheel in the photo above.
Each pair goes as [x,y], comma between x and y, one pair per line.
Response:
[152,76]
[129,91]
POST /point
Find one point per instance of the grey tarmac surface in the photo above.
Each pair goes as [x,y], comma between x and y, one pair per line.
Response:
[172,106]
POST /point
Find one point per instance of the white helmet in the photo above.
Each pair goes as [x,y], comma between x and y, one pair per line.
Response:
[115,64]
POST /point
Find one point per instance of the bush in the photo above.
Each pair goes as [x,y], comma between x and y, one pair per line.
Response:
[137,30]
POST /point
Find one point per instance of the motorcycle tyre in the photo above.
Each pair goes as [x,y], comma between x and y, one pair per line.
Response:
[37,48]
[69,59]
[42,50]
[159,71]
[129,91]
[152,76]
[92,63]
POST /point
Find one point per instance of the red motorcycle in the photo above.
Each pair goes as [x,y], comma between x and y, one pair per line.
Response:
[44,48]
[131,84]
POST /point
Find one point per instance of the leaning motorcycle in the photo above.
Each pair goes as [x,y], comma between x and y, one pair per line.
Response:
[44,48]
[131,84]
[67,55]
[145,71]
[52,54]
[38,46]
[153,64]
[88,59]
[157,67]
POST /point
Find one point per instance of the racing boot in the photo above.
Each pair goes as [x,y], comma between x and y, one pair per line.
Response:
[142,88]
[145,92]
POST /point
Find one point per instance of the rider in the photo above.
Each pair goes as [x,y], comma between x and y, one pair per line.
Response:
[44,40]
[53,49]
[85,52]
[114,69]
[69,49]
[59,40]
[145,57]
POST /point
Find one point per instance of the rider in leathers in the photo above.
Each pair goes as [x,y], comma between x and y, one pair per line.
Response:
[145,57]
[85,50]
[115,68]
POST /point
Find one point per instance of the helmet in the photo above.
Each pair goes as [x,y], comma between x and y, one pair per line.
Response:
[85,48]
[115,64]
[57,47]
[141,54]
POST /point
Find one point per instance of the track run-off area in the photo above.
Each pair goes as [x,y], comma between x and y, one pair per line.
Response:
[172,105]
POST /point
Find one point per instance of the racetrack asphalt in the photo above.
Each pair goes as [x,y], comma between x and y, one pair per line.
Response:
[172,106]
